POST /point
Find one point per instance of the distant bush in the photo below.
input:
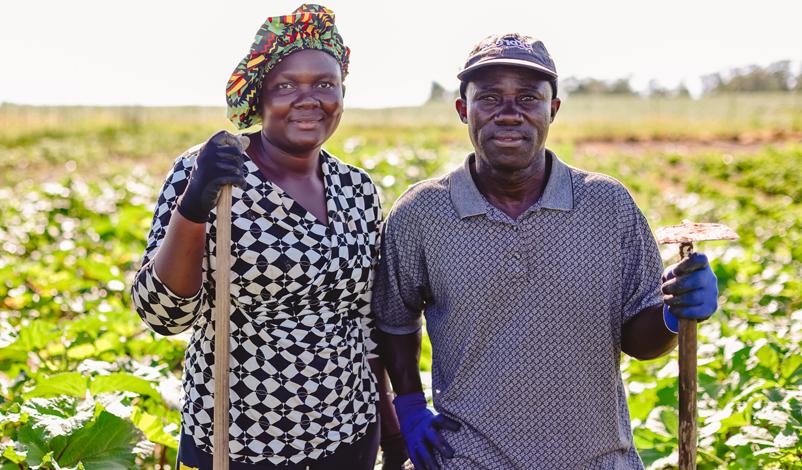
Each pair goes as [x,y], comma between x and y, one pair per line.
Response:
[752,78]
[439,94]
[595,86]
[658,90]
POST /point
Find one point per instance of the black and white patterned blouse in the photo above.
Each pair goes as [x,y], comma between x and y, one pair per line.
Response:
[300,316]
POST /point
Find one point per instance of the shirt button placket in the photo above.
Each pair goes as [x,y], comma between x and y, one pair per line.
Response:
[518,264]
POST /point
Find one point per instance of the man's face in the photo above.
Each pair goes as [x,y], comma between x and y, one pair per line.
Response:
[508,111]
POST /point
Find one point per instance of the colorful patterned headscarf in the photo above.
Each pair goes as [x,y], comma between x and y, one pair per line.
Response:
[308,27]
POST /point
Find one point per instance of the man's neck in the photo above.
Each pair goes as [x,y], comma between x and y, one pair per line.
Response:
[512,192]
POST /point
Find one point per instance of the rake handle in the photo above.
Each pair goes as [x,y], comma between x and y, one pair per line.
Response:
[222,329]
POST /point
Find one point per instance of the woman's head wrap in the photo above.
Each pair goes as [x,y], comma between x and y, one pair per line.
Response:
[308,27]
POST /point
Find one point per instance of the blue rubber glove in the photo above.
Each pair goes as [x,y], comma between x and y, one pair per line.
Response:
[421,429]
[690,291]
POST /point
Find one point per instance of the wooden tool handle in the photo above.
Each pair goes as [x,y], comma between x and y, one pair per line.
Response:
[687,384]
[687,394]
[221,329]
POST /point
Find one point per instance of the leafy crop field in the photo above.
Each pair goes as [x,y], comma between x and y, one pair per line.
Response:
[83,383]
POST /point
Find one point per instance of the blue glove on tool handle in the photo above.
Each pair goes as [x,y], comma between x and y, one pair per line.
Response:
[219,162]
[421,429]
[690,291]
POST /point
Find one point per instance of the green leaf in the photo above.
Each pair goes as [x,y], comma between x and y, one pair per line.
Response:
[48,459]
[670,420]
[669,396]
[774,415]
[12,418]
[38,334]
[38,408]
[15,452]
[768,357]
[81,351]
[106,444]
[791,368]
[648,456]
[80,466]
[70,383]
[132,217]
[123,382]
[95,268]
[709,429]
[153,428]
[37,443]
[775,394]
[34,337]
[51,421]
[14,353]
[786,440]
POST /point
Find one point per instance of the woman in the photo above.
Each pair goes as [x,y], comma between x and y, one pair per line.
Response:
[303,243]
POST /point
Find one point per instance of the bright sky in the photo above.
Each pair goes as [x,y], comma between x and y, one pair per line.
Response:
[173,52]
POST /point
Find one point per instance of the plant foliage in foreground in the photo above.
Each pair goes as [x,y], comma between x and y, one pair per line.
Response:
[83,383]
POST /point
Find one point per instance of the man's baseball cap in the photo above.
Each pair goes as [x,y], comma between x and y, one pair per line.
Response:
[510,49]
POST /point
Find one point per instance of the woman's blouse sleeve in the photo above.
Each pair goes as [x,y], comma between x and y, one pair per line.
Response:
[164,311]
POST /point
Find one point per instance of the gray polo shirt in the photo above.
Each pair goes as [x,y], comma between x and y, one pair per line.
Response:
[524,315]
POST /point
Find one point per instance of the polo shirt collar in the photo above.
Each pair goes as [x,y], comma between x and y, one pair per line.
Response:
[468,201]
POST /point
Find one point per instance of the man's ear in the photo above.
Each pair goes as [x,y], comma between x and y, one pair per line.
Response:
[462,110]
[555,106]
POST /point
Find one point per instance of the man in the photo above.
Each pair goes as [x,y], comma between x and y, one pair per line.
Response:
[534,277]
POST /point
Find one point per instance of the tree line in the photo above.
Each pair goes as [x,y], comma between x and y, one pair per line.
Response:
[777,77]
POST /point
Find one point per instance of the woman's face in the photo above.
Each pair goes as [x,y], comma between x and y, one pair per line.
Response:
[302,101]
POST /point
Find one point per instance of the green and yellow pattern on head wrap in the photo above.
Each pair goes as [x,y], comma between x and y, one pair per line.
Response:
[308,27]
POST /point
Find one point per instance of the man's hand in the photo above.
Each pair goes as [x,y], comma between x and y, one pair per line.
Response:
[689,291]
[421,429]
[219,162]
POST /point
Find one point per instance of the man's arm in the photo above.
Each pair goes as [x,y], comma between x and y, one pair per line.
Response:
[394,449]
[645,336]
[398,297]
[419,425]
[401,355]
[398,302]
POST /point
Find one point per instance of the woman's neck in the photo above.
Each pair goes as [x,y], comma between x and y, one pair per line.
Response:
[281,163]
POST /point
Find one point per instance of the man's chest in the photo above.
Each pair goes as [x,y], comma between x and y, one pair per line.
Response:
[551,251]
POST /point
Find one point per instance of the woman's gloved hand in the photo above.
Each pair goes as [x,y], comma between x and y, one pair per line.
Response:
[421,429]
[219,162]
[690,291]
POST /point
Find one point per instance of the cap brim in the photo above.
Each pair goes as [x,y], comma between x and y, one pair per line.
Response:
[506,61]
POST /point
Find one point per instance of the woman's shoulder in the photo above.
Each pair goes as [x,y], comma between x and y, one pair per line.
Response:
[179,172]
[183,163]
[189,155]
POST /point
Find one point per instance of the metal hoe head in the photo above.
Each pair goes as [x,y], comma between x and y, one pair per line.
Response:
[690,232]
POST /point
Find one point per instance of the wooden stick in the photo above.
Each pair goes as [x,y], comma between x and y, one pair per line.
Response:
[687,384]
[687,394]
[685,235]
[221,329]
